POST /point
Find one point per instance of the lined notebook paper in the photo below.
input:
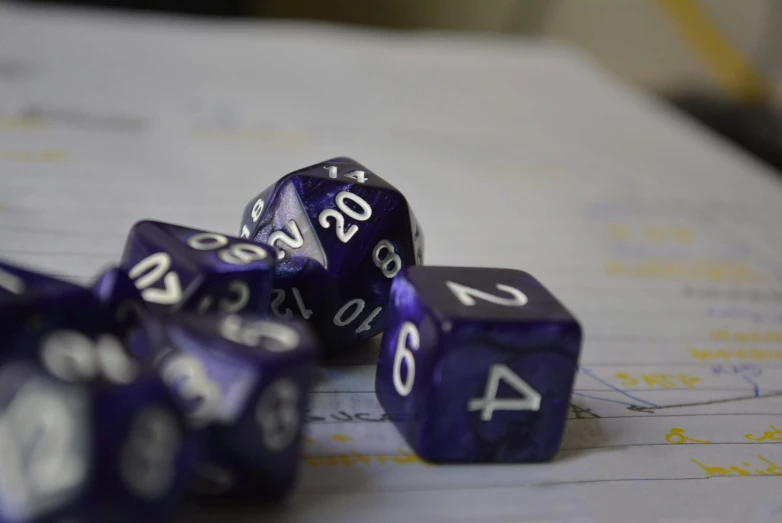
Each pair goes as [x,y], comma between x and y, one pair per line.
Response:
[665,242]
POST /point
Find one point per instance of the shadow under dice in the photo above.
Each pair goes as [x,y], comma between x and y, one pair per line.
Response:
[86,433]
[341,233]
[177,268]
[242,381]
[477,365]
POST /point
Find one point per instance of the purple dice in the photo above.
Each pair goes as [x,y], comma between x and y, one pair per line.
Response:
[120,298]
[16,282]
[182,269]
[342,233]
[477,365]
[86,432]
[242,381]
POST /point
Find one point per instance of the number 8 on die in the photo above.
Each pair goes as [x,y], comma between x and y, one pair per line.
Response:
[342,233]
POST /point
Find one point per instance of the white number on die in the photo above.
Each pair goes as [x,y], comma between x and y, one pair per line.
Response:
[187,377]
[294,240]
[250,333]
[149,271]
[343,235]
[241,296]
[355,306]
[255,215]
[236,254]
[40,464]
[11,283]
[404,352]
[257,210]
[358,175]
[489,402]
[391,263]
[147,459]
[278,296]
[72,356]
[466,295]
[277,414]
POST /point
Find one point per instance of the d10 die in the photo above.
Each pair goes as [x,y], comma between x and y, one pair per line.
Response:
[477,365]
[86,433]
[341,233]
[242,381]
[177,268]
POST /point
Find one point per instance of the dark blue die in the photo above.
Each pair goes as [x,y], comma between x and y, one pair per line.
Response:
[242,381]
[177,268]
[477,365]
[31,301]
[341,233]
[16,282]
[120,299]
[86,432]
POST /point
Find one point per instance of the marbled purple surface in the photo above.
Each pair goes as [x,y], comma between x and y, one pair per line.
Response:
[32,303]
[327,220]
[16,282]
[242,382]
[120,299]
[90,441]
[181,269]
[467,330]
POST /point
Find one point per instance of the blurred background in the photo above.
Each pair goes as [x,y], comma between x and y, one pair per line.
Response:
[717,60]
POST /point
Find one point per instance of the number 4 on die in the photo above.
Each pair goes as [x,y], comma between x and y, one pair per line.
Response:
[477,364]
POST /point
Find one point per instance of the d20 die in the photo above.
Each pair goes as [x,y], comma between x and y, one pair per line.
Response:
[242,381]
[342,233]
[87,434]
[477,365]
[177,268]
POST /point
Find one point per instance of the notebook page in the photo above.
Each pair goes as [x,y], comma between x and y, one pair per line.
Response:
[662,240]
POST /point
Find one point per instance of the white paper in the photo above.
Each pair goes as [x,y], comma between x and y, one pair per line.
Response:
[663,240]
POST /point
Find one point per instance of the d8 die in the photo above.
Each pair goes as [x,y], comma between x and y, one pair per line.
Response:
[477,365]
[86,433]
[177,268]
[341,233]
[242,381]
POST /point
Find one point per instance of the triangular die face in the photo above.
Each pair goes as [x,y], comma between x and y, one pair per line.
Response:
[418,237]
[253,214]
[286,227]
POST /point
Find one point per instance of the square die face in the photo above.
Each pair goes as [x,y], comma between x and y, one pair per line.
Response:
[486,294]
[491,405]
[499,386]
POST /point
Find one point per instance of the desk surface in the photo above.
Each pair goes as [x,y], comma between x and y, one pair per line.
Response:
[662,239]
